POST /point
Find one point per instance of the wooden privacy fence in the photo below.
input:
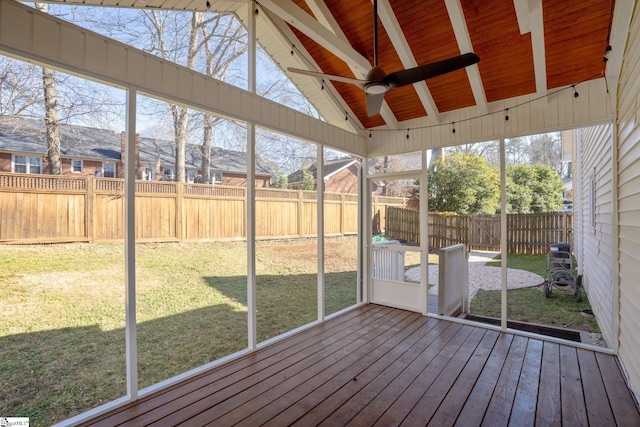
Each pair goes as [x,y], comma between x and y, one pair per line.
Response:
[44,208]
[527,233]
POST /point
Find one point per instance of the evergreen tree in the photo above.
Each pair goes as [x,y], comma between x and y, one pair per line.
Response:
[464,184]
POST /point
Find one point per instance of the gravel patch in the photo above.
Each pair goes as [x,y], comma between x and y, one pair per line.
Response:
[481,276]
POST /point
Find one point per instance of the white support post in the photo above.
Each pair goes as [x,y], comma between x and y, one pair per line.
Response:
[503,234]
[320,228]
[424,236]
[615,239]
[251,48]
[361,190]
[251,192]
[251,236]
[364,202]
[131,351]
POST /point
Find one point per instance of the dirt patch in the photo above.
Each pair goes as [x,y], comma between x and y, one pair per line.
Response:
[341,254]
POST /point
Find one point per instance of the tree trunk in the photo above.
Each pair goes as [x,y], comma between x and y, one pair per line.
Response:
[181,114]
[180,121]
[51,115]
[206,147]
[51,122]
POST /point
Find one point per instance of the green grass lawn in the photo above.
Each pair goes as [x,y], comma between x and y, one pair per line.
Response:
[530,304]
[62,339]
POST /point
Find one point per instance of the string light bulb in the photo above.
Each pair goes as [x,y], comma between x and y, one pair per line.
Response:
[293,46]
[370,134]
[453,127]
[506,115]
[322,85]
[208,4]
[407,133]
[576,95]
[607,53]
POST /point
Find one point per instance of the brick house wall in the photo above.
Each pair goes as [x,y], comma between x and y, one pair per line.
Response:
[5,162]
[344,181]
[120,167]
[240,180]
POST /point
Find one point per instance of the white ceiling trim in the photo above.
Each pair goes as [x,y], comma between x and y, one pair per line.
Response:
[522,13]
[331,95]
[537,44]
[324,16]
[301,20]
[618,42]
[456,15]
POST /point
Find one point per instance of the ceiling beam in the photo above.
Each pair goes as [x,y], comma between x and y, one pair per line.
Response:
[391,25]
[459,24]
[305,60]
[537,44]
[522,13]
[301,20]
[326,18]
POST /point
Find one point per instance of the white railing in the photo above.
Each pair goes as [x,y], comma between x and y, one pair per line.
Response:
[388,284]
[387,261]
[453,280]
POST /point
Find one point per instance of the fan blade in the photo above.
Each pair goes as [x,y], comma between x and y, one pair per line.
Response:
[423,72]
[374,103]
[357,82]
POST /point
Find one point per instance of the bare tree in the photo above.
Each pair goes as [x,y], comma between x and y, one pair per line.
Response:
[20,92]
[219,57]
[51,114]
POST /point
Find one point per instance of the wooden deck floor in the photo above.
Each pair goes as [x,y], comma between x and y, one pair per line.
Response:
[382,366]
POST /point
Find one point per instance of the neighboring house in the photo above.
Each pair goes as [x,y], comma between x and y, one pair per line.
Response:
[91,151]
[340,176]
[83,150]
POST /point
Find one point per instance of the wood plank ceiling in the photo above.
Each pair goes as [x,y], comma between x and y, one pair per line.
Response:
[573,33]
[525,47]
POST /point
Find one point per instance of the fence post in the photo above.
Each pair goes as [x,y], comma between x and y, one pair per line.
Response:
[343,210]
[300,212]
[179,199]
[89,208]
[244,210]
[469,234]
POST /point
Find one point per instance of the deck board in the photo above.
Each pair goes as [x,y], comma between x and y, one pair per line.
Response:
[548,411]
[574,412]
[524,406]
[383,366]
[593,387]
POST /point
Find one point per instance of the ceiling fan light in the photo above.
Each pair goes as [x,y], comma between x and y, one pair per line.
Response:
[376,88]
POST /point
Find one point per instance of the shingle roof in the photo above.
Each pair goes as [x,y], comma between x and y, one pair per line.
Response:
[28,135]
[329,168]
[21,135]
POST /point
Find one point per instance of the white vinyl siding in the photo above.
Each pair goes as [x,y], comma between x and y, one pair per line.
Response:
[595,203]
[629,206]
